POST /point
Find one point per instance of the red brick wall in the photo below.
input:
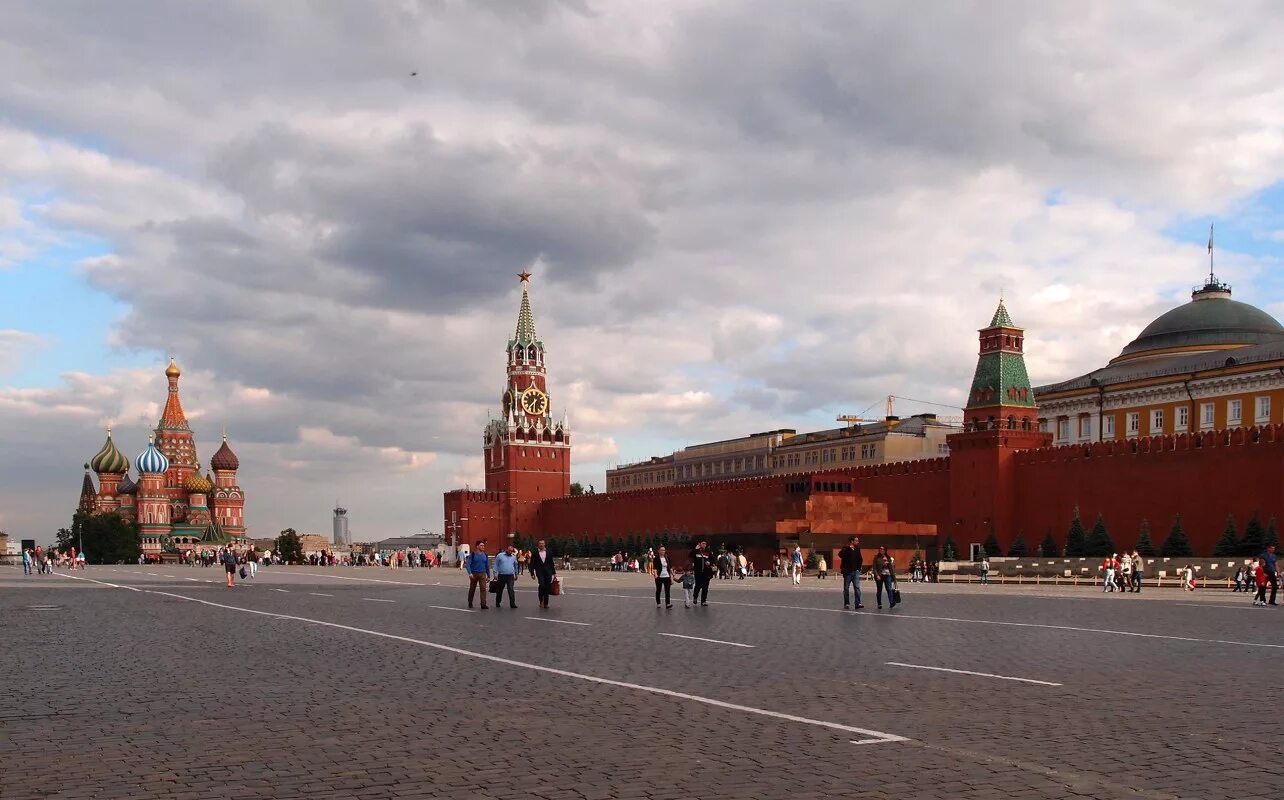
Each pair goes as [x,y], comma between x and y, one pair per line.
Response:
[1153,478]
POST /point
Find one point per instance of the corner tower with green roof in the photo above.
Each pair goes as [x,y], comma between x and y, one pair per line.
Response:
[1001,396]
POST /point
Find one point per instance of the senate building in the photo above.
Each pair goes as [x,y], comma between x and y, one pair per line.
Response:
[1184,424]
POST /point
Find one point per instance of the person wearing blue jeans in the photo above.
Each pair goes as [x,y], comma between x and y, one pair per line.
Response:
[850,563]
[884,572]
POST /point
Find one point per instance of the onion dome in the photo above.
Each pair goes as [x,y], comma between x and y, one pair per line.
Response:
[197,484]
[151,461]
[109,460]
[127,486]
[224,459]
[172,371]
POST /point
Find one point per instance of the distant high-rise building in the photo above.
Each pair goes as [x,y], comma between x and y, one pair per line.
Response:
[341,535]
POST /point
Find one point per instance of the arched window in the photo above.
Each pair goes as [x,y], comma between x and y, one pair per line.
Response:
[530,353]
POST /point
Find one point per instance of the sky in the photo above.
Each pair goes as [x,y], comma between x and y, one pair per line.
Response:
[740,216]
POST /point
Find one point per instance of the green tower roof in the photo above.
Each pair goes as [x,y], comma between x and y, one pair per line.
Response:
[1001,317]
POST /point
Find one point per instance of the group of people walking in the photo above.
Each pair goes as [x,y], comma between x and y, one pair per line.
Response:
[1122,573]
[540,563]
[1256,577]
[42,562]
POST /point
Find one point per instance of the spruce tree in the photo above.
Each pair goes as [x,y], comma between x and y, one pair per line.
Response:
[1254,541]
[1048,549]
[949,550]
[991,546]
[1076,539]
[1228,545]
[1177,545]
[1272,534]
[1144,546]
[1018,549]
[1099,542]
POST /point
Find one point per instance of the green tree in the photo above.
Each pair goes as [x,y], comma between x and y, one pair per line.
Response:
[1076,539]
[577,489]
[1272,534]
[1177,545]
[949,550]
[1144,546]
[991,545]
[1228,545]
[1098,542]
[289,547]
[1254,541]
[1048,549]
[104,538]
[1018,548]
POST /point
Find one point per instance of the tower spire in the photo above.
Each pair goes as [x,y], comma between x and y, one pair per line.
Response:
[173,417]
[525,319]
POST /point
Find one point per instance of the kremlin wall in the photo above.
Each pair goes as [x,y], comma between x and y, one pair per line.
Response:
[1188,378]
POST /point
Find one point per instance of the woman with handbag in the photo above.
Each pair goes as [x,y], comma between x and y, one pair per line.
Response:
[663,578]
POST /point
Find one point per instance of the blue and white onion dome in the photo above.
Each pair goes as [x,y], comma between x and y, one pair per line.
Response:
[151,461]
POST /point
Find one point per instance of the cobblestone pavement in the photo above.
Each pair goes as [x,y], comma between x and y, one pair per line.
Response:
[376,683]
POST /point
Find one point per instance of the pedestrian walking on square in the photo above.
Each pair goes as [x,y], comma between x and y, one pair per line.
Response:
[542,568]
[1269,564]
[252,561]
[985,569]
[663,578]
[850,563]
[1259,580]
[688,587]
[796,564]
[228,560]
[702,566]
[26,562]
[744,566]
[477,565]
[506,568]
[1108,582]
[884,577]
[822,568]
[1138,565]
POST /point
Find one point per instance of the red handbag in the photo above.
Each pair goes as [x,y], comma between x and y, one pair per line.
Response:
[556,587]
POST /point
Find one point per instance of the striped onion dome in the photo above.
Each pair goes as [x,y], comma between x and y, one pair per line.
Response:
[109,461]
[197,483]
[151,461]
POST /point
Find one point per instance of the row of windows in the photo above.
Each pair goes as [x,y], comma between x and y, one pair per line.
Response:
[832,455]
[740,466]
[1157,418]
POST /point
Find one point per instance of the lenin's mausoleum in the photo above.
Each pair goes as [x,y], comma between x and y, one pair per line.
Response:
[1187,420]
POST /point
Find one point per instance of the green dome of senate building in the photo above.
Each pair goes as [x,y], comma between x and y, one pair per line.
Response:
[1210,321]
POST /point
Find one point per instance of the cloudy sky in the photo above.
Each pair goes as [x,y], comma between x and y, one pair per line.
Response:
[740,216]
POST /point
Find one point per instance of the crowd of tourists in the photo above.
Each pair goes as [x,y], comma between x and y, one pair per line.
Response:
[1256,577]
[41,561]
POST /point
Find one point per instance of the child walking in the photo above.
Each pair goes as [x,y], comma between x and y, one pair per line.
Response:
[688,587]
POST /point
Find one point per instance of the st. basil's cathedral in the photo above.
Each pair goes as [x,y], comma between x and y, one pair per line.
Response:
[176,506]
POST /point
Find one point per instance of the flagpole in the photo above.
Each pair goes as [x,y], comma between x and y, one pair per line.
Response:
[1211,278]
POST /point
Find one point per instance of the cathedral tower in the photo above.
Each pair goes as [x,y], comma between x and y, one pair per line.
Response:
[111,466]
[153,508]
[1000,419]
[228,499]
[527,455]
[174,440]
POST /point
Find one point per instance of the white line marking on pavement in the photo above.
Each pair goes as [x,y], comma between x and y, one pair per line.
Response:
[969,672]
[1218,606]
[452,608]
[287,591]
[876,615]
[607,579]
[377,600]
[871,736]
[351,578]
[193,580]
[101,583]
[561,621]
[152,573]
[319,594]
[702,639]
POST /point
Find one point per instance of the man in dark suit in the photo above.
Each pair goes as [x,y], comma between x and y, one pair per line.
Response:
[542,569]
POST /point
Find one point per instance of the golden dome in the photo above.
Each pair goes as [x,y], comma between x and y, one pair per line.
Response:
[172,371]
[197,484]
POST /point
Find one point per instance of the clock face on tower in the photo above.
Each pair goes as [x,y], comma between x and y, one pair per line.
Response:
[534,401]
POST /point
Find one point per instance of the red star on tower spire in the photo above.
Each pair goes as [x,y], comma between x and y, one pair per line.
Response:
[524,275]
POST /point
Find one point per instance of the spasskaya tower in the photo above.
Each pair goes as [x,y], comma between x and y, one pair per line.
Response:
[527,455]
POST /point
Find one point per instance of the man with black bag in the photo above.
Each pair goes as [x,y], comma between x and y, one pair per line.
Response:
[542,569]
[850,561]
